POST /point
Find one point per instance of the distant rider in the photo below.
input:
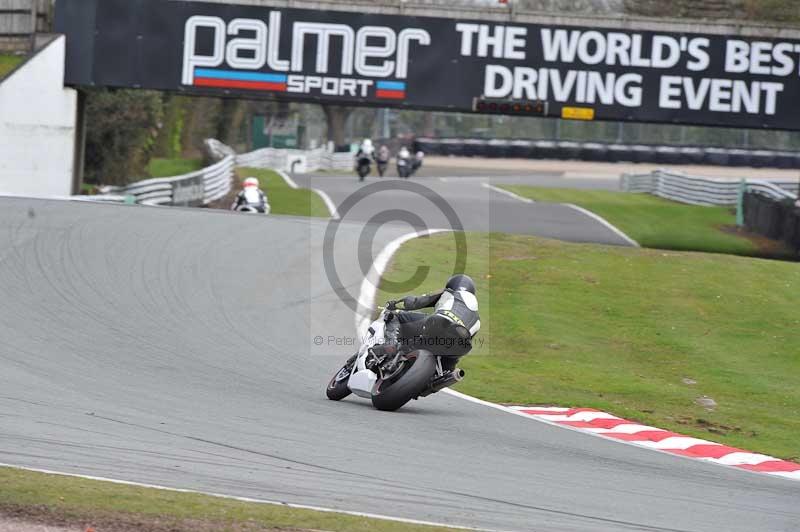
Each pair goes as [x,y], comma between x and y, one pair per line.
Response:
[366,150]
[383,154]
[416,164]
[447,332]
[251,197]
[382,159]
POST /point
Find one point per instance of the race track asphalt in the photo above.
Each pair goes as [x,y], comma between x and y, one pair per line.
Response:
[176,347]
[478,208]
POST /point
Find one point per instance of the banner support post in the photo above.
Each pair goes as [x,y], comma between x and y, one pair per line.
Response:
[740,203]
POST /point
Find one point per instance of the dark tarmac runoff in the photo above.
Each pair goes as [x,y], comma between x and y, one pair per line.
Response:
[174,347]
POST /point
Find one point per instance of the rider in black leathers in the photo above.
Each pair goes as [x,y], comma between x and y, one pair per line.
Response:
[447,332]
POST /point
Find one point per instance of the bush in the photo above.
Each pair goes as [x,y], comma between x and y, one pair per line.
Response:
[121,128]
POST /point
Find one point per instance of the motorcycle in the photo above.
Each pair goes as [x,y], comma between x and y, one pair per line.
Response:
[363,167]
[390,380]
[416,163]
[382,160]
[403,166]
[382,165]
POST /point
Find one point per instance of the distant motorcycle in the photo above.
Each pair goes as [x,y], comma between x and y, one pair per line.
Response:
[404,164]
[382,160]
[251,199]
[382,166]
[363,167]
[416,163]
[390,380]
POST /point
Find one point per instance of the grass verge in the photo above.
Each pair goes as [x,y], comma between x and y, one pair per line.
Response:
[640,333]
[652,221]
[284,199]
[55,499]
[162,167]
[9,62]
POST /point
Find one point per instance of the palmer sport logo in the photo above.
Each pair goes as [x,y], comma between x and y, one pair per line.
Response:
[245,54]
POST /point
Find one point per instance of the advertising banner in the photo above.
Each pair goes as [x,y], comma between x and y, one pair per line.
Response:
[583,73]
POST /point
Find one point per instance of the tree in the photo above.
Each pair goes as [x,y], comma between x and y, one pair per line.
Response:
[121,128]
[337,116]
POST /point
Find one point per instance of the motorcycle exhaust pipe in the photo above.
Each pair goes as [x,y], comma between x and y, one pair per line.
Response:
[440,383]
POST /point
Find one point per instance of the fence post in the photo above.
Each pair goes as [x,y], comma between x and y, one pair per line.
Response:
[740,203]
[34,15]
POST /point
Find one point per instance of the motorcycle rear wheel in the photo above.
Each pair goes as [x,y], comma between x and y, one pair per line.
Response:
[392,395]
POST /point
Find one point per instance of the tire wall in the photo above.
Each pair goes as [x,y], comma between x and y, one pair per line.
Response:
[606,152]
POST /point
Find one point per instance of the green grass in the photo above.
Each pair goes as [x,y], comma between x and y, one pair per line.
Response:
[286,200]
[161,167]
[652,221]
[619,329]
[9,62]
[90,501]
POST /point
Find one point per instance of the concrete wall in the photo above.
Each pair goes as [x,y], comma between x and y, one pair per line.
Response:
[38,126]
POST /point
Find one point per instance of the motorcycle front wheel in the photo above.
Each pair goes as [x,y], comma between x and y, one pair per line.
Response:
[407,384]
[337,387]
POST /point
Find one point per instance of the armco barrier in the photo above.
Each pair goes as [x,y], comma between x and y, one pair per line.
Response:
[296,160]
[214,182]
[704,190]
[193,189]
[611,152]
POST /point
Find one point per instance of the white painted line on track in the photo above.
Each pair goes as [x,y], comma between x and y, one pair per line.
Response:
[246,499]
[325,198]
[328,203]
[289,180]
[507,193]
[554,409]
[605,222]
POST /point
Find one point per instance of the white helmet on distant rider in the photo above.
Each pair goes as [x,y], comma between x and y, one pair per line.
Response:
[251,182]
[366,147]
[404,153]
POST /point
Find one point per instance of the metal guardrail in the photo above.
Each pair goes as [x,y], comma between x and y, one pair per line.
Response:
[296,160]
[214,182]
[196,188]
[697,190]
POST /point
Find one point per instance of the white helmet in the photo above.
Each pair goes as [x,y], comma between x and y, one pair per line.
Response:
[251,182]
[404,152]
[367,147]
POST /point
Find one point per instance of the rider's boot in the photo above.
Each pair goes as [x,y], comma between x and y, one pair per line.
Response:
[391,336]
